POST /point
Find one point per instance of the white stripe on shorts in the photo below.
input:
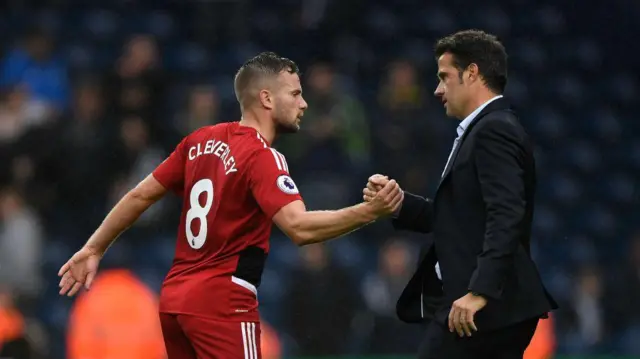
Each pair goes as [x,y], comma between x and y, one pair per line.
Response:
[249,340]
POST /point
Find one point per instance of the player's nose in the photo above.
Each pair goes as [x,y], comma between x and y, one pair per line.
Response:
[303,104]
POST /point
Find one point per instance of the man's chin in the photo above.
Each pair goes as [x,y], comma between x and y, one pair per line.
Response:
[291,128]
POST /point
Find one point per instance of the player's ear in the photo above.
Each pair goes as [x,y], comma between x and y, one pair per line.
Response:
[266,99]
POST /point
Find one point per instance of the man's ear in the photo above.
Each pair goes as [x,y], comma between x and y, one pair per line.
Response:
[472,73]
[266,99]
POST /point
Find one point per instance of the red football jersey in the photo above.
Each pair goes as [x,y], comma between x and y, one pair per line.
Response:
[232,183]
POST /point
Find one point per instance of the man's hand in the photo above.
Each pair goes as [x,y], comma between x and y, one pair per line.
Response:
[374,185]
[387,200]
[462,312]
[80,270]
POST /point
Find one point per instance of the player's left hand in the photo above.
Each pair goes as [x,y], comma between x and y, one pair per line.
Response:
[462,312]
[80,270]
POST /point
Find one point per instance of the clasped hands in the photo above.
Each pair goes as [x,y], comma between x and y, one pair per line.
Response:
[463,310]
[383,195]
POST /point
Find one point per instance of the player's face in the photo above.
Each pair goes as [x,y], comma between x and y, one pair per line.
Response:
[452,90]
[289,105]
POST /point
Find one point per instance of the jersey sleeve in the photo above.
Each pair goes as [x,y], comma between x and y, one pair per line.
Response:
[270,182]
[170,173]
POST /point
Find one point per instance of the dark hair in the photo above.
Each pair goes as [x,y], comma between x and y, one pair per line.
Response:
[265,64]
[477,47]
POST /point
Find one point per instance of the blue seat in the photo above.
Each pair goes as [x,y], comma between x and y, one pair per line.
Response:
[530,53]
[550,20]
[492,19]
[547,123]
[603,124]
[101,24]
[438,20]
[190,56]
[587,54]
[620,188]
[622,87]
[569,88]
[382,23]
[161,24]
[517,91]
[565,188]
[599,220]
[582,155]
[81,56]
[545,221]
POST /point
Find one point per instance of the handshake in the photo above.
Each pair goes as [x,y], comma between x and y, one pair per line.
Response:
[382,195]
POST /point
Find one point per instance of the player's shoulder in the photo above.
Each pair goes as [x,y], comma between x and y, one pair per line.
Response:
[255,145]
[211,130]
[269,156]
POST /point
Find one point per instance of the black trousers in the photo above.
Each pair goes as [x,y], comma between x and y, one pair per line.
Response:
[504,343]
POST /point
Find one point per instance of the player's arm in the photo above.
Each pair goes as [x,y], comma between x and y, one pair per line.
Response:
[308,227]
[278,196]
[125,213]
[169,175]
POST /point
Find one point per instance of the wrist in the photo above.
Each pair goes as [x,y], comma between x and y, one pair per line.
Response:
[95,250]
[368,212]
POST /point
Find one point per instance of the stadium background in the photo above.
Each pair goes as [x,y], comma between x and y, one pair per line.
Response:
[96,93]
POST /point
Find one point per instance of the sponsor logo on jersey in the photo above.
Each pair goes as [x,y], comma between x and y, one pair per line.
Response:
[286,185]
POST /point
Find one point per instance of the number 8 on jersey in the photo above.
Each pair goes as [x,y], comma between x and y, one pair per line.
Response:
[199,212]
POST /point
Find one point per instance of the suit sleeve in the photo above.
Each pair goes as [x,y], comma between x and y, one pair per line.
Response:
[170,173]
[499,159]
[416,214]
[270,182]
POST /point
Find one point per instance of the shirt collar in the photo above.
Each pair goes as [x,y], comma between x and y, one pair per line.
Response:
[469,119]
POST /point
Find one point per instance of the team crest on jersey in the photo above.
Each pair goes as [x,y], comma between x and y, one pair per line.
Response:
[286,185]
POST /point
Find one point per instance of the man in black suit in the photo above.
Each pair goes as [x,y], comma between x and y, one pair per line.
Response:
[476,287]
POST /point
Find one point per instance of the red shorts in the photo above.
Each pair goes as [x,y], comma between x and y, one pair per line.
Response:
[191,337]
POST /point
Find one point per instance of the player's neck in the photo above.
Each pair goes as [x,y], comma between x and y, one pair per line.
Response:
[267,131]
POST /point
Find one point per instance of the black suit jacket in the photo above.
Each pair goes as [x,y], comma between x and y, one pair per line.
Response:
[481,219]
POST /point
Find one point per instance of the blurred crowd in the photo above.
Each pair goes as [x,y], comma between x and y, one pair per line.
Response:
[93,98]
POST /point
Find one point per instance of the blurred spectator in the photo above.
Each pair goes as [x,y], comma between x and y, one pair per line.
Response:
[35,66]
[402,94]
[21,244]
[588,328]
[86,161]
[118,318]
[137,85]
[320,304]
[138,157]
[381,290]
[18,114]
[404,128]
[202,110]
[334,131]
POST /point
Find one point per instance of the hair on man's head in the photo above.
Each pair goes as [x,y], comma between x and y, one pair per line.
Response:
[263,66]
[477,47]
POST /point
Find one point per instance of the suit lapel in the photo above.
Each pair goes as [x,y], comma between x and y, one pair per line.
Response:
[499,104]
